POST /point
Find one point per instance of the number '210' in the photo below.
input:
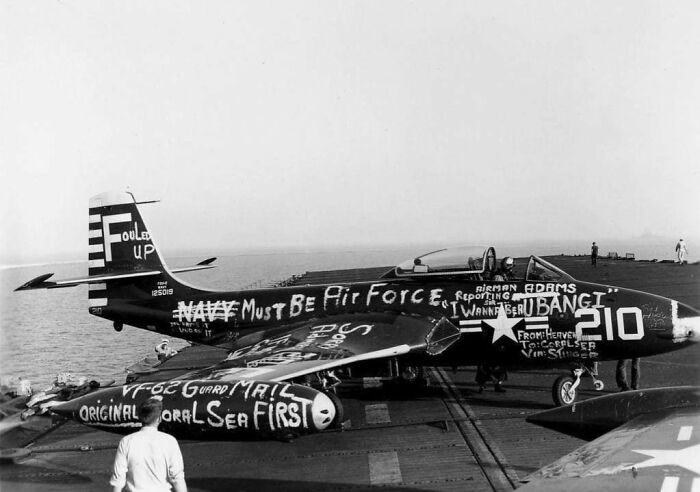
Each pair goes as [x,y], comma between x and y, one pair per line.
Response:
[623,316]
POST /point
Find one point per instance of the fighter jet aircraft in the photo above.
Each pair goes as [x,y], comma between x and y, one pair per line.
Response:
[640,440]
[442,308]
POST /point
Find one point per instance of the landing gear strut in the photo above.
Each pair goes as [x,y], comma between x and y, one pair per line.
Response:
[564,388]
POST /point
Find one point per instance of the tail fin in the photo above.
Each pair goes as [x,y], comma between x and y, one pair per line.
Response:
[119,240]
[121,245]
[124,262]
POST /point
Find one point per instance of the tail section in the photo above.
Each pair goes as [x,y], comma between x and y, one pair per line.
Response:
[119,243]
[123,253]
[119,240]
[125,268]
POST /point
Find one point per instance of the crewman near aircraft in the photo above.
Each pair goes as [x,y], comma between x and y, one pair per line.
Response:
[23,387]
[495,373]
[164,350]
[505,271]
[149,459]
[621,374]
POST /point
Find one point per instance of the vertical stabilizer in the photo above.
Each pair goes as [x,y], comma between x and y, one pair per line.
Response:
[119,241]
[120,244]
[128,280]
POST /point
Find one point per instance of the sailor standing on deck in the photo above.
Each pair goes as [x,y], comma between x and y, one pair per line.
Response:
[488,372]
[621,374]
[594,254]
[682,252]
[149,460]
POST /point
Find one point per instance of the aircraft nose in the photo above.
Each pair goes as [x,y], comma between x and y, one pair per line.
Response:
[67,409]
[323,411]
[686,323]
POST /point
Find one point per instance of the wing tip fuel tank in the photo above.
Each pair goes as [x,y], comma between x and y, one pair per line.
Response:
[211,410]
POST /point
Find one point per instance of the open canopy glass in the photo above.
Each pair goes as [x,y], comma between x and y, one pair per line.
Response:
[467,260]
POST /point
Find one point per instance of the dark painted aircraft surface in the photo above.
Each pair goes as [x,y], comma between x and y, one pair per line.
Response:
[209,410]
[640,440]
[443,308]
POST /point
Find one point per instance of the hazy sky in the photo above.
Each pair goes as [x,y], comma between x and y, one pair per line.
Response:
[318,123]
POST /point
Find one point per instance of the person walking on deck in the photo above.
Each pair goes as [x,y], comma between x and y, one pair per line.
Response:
[148,460]
[682,252]
[594,254]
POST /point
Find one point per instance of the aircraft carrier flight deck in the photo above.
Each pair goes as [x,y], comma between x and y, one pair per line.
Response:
[446,436]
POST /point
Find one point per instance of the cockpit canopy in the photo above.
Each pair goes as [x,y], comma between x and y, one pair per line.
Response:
[539,270]
[474,263]
[471,261]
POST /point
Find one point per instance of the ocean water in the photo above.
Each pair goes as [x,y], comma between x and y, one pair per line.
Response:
[46,332]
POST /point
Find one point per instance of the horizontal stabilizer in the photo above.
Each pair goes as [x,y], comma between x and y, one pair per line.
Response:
[41,282]
[37,283]
[202,265]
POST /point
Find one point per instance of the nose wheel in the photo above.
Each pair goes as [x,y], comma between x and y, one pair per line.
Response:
[564,388]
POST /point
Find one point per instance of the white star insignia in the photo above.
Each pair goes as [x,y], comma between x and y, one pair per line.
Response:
[685,458]
[503,325]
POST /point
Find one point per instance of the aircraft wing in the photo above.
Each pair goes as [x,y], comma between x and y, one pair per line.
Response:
[292,351]
[658,449]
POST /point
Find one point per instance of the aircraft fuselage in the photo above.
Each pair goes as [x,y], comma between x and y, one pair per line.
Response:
[514,321]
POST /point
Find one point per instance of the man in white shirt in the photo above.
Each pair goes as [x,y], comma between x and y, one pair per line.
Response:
[681,251]
[148,460]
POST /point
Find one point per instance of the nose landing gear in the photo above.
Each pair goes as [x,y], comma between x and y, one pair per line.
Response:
[564,388]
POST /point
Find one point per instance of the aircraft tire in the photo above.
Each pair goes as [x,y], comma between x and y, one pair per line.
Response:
[560,390]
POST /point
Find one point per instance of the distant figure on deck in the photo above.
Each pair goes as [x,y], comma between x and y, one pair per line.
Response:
[682,252]
[23,388]
[505,271]
[621,374]
[594,254]
[149,460]
[164,350]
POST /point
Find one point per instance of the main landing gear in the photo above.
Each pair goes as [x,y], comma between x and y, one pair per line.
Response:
[564,388]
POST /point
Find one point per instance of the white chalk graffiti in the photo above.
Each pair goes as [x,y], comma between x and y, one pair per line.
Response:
[271,405]
[140,251]
[327,337]
[118,415]
[205,310]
